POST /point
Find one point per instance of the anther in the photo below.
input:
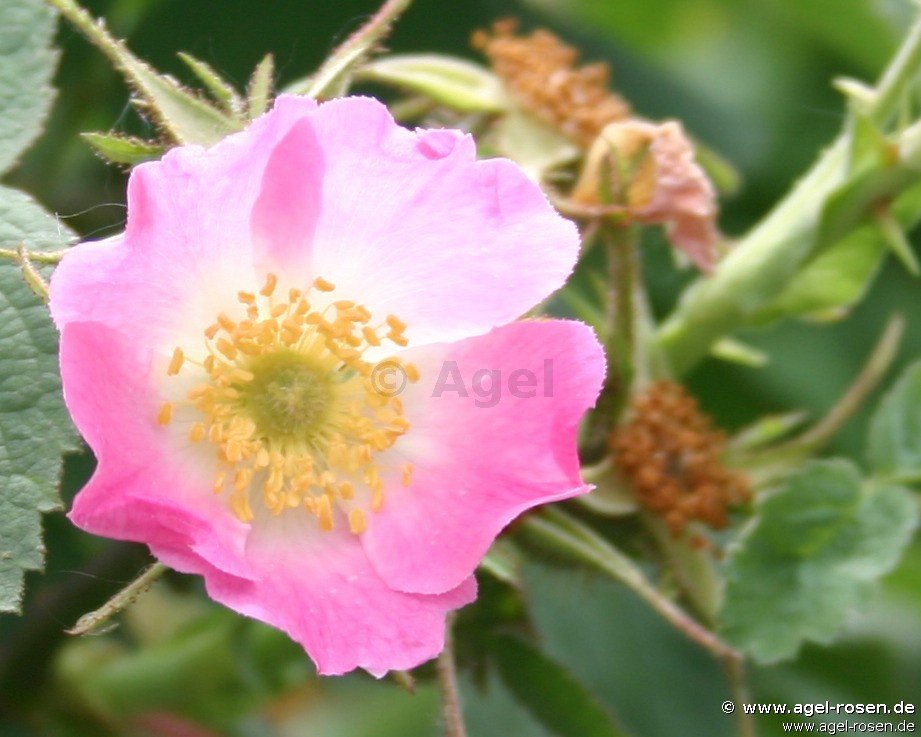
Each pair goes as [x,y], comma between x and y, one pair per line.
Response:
[165,414]
[357,521]
[270,282]
[323,285]
[175,362]
[396,324]
[226,323]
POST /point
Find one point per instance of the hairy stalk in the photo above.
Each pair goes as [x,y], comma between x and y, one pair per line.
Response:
[450,693]
[763,261]
[620,322]
[36,257]
[124,598]
[30,275]
[570,536]
[94,30]
[351,52]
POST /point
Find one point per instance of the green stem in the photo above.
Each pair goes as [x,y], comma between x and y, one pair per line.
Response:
[124,598]
[620,333]
[351,52]
[811,441]
[762,262]
[30,275]
[37,257]
[94,30]
[567,535]
[735,674]
[450,693]
[692,568]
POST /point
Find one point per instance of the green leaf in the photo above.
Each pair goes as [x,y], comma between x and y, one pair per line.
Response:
[550,692]
[815,549]
[534,146]
[123,149]
[456,83]
[894,440]
[180,114]
[735,351]
[765,430]
[34,427]
[26,66]
[832,282]
[220,89]
[259,91]
[611,496]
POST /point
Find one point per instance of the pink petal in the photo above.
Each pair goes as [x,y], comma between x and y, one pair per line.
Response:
[187,243]
[477,466]
[142,490]
[322,591]
[409,223]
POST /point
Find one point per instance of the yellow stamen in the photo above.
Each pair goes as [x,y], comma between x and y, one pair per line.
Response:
[175,362]
[357,521]
[397,325]
[288,404]
[270,283]
[165,414]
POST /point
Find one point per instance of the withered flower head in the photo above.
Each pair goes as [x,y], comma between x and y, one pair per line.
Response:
[540,72]
[671,454]
[650,169]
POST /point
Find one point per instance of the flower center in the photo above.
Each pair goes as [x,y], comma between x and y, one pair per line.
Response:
[292,407]
[288,396]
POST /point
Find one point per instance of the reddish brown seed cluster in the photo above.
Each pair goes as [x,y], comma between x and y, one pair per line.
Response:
[671,454]
[540,71]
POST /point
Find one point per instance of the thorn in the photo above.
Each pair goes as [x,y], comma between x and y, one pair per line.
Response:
[894,235]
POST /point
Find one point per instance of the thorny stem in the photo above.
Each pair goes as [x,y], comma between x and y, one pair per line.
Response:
[31,276]
[571,536]
[450,693]
[94,30]
[37,257]
[124,598]
[620,333]
[764,260]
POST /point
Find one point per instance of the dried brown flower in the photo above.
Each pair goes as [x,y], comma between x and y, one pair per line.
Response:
[671,454]
[663,183]
[540,72]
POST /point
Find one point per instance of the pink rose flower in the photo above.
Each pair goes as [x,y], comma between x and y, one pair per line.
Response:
[282,368]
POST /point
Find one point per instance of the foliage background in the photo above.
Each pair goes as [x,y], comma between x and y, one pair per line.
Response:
[749,77]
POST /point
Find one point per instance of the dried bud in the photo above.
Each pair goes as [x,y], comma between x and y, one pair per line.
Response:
[650,169]
[539,71]
[671,455]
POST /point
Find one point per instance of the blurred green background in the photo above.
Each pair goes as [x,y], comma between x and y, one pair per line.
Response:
[751,78]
